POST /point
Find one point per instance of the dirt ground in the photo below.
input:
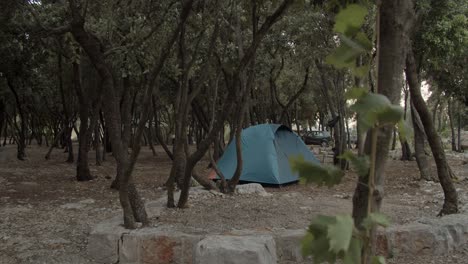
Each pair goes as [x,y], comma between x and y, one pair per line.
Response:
[46,216]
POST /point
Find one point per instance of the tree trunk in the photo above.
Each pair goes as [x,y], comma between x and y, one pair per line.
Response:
[443,170]
[67,122]
[149,134]
[405,147]
[452,129]
[97,144]
[21,131]
[91,45]
[5,134]
[82,166]
[69,145]
[238,172]
[434,110]
[460,111]
[2,117]
[394,139]
[419,153]
[393,19]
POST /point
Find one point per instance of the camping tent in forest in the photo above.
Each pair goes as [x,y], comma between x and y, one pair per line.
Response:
[266,150]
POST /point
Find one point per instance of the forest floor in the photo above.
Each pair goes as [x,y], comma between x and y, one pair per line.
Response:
[46,215]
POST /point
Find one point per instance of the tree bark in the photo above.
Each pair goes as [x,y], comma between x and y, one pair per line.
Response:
[21,131]
[2,116]
[405,147]
[452,129]
[419,153]
[394,139]
[394,18]
[460,112]
[82,166]
[91,45]
[450,205]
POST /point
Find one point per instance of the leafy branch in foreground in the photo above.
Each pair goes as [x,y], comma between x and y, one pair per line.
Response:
[332,238]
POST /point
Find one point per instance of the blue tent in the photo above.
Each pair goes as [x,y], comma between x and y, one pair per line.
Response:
[266,150]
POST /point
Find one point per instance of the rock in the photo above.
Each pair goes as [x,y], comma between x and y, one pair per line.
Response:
[149,245]
[87,201]
[288,244]
[32,184]
[103,241]
[72,206]
[426,236]
[292,195]
[252,188]
[342,196]
[215,193]
[464,209]
[236,250]
[77,205]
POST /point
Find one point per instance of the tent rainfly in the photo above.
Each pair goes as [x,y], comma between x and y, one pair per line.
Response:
[266,150]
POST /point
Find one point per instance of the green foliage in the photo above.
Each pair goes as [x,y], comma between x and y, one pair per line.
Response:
[340,233]
[442,42]
[353,42]
[316,173]
[330,238]
[378,260]
[350,19]
[375,219]
[374,109]
[361,163]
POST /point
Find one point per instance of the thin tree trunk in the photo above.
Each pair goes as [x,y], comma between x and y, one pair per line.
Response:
[394,139]
[405,147]
[158,131]
[97,143]
[434,110]
[450,205]
[5,134]
[54,143]
[149,134]
[91,45]
[82,166]
[238,172]
[2,116]
[419,153]
[452,129]
[460,111]
[21,131]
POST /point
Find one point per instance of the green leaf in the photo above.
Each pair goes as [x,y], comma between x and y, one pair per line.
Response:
[374,219]
[310,172]
[378,260]
[350,19]
[361,163]
[404,129]
[343,57]
[391,114]
[316,242]
[307,243]
[368,108]
[353,44]
[356,93]
[353,255]
[340,233]
[376,109]
[363,41]
[360,71]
